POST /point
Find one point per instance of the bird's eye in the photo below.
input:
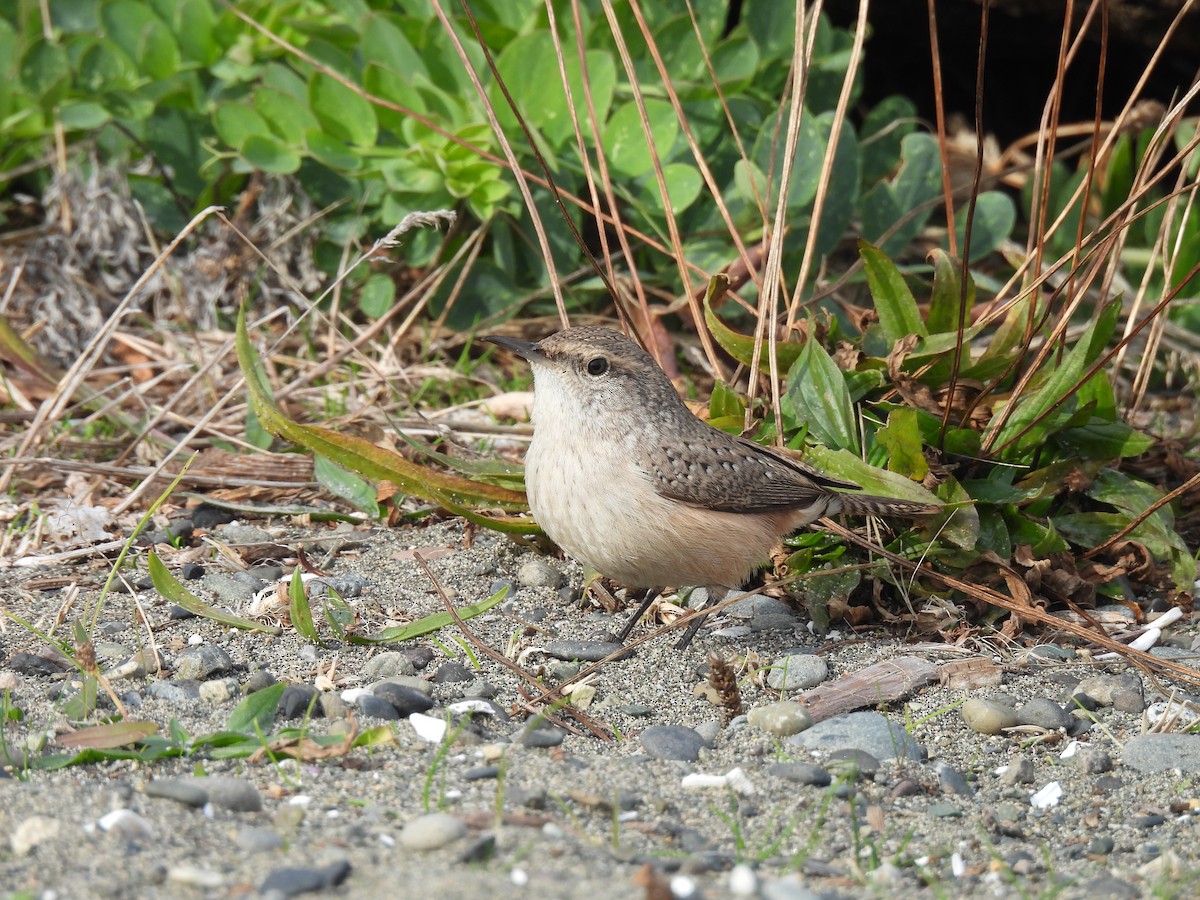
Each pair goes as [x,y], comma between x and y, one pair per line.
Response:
[597,365]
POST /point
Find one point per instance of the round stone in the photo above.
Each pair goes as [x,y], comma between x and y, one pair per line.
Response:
[797,672]
[785,718]
[431,831]
[988,716]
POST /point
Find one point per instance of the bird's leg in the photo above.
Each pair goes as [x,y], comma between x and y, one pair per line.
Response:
[713,594]
[648,597]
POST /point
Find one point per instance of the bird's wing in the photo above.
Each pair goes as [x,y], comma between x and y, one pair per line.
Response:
[731,474]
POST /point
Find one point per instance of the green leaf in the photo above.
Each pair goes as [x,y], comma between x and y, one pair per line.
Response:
[343,483]
[45,71]
[342,112]
[883,132]
[847,466]
[902,438]
[170,588]
[1055,390]
[816,396]
[332,152]
[287,117]
[257,711]
[725,402]
[741,346]
[897,308]
[457,495]
[683,187]
[625,144]
[236,123]
[299,610]
[102,737]
[946,304]
[268,154]
[429,623]
[1104,440]
[377,295]
[995,216]
[772,25]
[902,207]
[82,115]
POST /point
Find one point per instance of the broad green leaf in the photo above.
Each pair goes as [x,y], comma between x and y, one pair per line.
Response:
[332,152]
[45,71]
[725,402]
[683,187]
[345,484]
[102,737]
[194,24]
[1054,392]
[902,206]
[625,143]
[772,25]
[883,131]
[257,711]
[841,199]
[735,61]
[287,117]
[236,122]
[170,588]
[377,295]
[847,466]
[995,216]
[342,112]
[897,308]
[768,154]
[82,115]
[268,154]
[902,438]
[454,494]
[816,395]
[741,346]
[300,613]
[961,524]
[946,306]
[429,623]
[1104,440]
[385,44]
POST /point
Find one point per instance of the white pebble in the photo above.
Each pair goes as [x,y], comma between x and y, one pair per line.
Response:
[742,881]
[1047,796]
[519,877]
[428,728]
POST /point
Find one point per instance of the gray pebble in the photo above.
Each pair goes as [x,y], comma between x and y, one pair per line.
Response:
[853,763]
[452,672]
[1092,761]
[868,731]
[953,782]
[797,672]
[1043,713]
[258,681]
[411,681]
[753,607]
[588,651]
[174,692]
[406,700]
[478,773]
[709,731]
[785,718]
[481,688]
[545,736]
[200,662]
[801,773]
[535,572]
[1109,690]
[1162,752]
[253,839]
[187,792]
[433,830]
[234,590]
[298,701]
[988,716]
[227,792]
[219,690]
[291,881]
[1018,771]
[377,707]
[673,742]
[333,706]
[385,665]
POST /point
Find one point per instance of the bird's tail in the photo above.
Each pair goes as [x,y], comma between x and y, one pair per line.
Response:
[868,505]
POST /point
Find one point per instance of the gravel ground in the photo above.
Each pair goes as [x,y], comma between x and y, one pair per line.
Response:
[913,796]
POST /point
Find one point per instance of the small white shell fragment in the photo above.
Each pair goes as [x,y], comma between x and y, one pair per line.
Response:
[428,728]
[734,779]
[1047,796]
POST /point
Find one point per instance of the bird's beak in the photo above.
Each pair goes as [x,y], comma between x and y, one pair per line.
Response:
[523,349]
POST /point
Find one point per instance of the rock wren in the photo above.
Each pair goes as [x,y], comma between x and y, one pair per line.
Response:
[624,478]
